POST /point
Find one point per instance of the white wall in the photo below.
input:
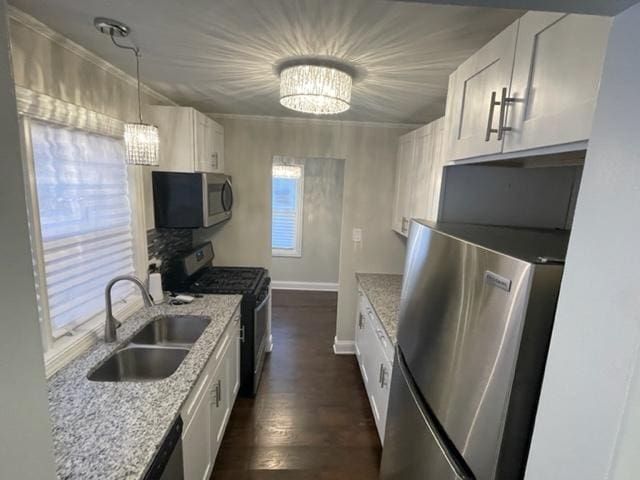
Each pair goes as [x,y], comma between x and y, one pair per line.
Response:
[26,448]
[369,152]
[321,224]
[584,427]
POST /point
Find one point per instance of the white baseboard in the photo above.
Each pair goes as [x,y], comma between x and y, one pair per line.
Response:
[344,347]
[308,286]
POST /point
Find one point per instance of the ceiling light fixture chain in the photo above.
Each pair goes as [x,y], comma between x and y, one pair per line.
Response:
[141,140]
[137,53]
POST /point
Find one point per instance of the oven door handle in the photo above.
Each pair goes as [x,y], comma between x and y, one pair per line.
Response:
[263,302]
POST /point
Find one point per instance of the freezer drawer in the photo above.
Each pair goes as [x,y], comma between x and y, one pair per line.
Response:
[414,447]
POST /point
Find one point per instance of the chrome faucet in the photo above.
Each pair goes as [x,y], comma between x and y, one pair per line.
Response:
[111,323]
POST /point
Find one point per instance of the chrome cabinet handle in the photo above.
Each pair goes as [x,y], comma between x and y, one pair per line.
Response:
[492,106]
[218,393]
[360,321]
[503,113]
[242,333]
[504,100]
[404,227]
[380,374]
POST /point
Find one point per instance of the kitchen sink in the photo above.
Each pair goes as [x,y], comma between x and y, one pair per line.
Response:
[139,364]
[155,352]
[172,330]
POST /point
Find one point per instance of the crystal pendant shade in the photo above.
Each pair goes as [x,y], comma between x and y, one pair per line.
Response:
[142,143]
[315,89]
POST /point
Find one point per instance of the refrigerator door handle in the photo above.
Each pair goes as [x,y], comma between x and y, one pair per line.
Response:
[461,470]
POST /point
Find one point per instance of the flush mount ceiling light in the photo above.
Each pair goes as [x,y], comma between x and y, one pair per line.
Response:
[141,139]
[315,88]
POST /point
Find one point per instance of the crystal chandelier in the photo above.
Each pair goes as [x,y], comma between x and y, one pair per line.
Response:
[141,139]
[316,89]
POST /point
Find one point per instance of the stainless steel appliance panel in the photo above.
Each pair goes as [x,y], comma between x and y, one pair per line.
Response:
[461,322]
[414,448]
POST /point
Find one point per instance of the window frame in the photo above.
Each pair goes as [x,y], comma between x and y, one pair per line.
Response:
[297,252]
[66,344]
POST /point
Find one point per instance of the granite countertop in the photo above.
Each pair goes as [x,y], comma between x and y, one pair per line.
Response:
[112,430]
[383,292]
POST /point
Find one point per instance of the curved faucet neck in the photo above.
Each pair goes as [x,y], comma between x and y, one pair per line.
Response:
[111,323]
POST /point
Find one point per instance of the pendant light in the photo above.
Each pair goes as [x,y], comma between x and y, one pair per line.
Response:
[141,139]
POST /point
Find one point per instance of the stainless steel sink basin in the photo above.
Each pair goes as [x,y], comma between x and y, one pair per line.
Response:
[172,330]
[139,364]
[155,352]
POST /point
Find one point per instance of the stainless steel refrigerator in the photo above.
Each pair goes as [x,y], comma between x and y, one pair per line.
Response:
[476,315]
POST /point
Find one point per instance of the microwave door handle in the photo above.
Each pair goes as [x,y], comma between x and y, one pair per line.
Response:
[205,200]
[227,185]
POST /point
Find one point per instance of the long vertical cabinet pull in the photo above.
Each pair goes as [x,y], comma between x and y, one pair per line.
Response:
[492,106]
[380,374]
[218,393]
[504,100]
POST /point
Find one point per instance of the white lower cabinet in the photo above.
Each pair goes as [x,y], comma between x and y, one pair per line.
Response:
[207,410]
[375,358]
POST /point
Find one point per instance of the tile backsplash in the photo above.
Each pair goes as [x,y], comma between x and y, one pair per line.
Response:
[168,243]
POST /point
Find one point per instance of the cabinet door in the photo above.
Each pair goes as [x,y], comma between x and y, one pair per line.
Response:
[375,362]
[556,76]
[402,196]
[217,150]
[479,80]
[381,392]
[234,362]
[219,405]
[176,125]
[360,341]
[203,143]
[196,440]
[437,161]
[420,172]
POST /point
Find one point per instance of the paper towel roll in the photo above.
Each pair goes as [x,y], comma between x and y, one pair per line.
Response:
[155,287]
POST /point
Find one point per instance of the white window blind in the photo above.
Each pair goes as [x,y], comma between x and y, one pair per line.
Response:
[286,219]
[85,221]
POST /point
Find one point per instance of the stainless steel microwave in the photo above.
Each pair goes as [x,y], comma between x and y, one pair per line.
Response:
[191,200]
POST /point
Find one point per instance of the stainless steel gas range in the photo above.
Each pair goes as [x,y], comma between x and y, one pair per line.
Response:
[195,274]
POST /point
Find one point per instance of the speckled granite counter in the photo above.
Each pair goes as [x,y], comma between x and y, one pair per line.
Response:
[107,430]
[383,292]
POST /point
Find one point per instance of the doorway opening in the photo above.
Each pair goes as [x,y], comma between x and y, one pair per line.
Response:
[306,222]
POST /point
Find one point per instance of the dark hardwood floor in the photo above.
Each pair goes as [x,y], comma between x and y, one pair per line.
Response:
[311,418]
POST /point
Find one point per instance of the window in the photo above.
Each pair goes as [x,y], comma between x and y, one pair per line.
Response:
[286,205]
[81,223]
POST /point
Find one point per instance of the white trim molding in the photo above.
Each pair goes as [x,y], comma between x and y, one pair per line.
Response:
[43,107]
[307,120]
[306,286]
[37,26]
[344,347]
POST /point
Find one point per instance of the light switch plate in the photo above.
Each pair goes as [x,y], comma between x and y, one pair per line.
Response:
[357,235]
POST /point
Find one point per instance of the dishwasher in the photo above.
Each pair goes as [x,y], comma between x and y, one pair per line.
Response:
[167,464]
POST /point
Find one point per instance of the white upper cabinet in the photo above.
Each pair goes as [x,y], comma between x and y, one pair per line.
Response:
[404,164]
[426,174]
[556,76]
[189,140]
[534,86]
[418,176]
[479,85]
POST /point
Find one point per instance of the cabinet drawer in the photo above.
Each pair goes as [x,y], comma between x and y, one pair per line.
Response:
[382,338]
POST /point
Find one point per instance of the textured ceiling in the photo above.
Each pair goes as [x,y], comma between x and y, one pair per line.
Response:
[220,56]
